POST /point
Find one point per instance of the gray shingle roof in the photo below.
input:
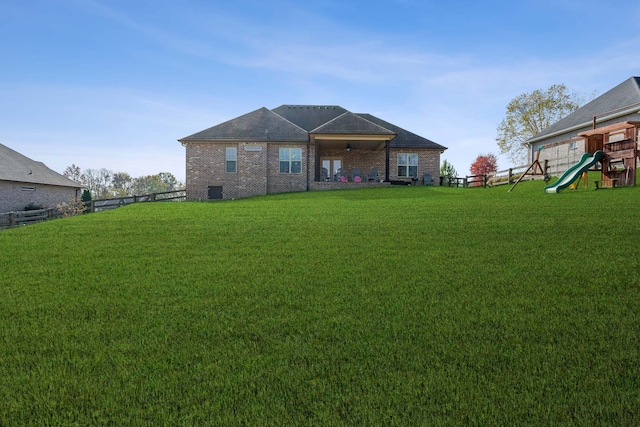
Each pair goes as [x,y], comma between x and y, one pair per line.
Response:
[309,117]
[294,123]
[349,123]
[18,168]
[625,94]
[261,125]
[404,138]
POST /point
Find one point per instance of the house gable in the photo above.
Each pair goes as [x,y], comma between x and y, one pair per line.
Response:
[404,138]
[259,125]
[309,117]
[352,124]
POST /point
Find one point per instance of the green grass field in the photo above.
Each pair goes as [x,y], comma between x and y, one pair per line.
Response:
[391,306]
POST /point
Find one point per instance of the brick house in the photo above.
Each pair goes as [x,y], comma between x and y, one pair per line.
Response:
[26,182]
[563,143]
[303,148]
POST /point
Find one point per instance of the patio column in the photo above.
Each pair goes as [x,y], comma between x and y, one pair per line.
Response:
[387,149]
[316,159]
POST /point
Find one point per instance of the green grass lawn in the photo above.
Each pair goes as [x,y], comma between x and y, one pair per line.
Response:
[391,306]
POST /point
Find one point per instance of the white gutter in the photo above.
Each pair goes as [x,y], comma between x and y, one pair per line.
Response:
[590,123]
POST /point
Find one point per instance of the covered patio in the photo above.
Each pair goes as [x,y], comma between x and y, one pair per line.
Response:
[351,149]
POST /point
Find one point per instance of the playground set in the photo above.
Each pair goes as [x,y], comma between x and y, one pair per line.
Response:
[613,146]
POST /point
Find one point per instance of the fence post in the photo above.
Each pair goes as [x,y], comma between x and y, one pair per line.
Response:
[510,181]
[12,219]
[484,179]
[49,213]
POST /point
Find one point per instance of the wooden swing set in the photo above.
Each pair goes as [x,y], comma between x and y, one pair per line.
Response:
[534,169]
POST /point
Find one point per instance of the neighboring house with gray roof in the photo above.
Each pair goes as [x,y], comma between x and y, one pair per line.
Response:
[26,182]
[560,142]
[303,148]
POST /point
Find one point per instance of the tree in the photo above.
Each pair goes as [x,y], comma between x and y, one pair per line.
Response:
[73,172]
[529,114]
[98,182]
[484,164]
[447,171]
[121,184]
[147,185]
[103,183]
[170,181]
[86,196]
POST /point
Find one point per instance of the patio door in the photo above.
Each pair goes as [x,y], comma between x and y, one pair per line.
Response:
[331,164]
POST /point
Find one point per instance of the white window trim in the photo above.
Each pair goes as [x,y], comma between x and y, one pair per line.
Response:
[407,165]
[228,160]
[290,161]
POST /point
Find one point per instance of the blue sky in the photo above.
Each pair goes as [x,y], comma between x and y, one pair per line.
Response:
[115,83]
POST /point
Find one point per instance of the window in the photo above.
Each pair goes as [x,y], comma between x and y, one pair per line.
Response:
[407,165]
[231,159]
[291,160]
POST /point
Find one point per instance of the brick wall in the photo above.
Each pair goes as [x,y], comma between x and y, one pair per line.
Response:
[258,170]
[365,160]
[428,162]
[14,196]
[285,183]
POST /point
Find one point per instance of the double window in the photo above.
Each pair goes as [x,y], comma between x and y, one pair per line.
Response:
[291,160]
[231,159]
[407,165]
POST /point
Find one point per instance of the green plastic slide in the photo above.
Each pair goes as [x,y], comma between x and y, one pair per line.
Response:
[574,172]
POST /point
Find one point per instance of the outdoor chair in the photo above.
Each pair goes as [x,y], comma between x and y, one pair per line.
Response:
[427,179]
[325,174]
[356,173]
[342,174]
[373,175]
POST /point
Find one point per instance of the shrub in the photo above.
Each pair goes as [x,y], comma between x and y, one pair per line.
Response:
[33,207]
[71,207]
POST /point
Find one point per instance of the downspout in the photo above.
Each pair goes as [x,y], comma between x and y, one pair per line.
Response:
[387,149]
[308,157]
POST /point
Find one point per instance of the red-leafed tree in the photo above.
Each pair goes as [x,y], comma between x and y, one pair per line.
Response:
[484,164]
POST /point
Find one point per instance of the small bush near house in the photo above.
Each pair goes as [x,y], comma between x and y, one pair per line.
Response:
[86,196]
[71,207]
[33,207]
